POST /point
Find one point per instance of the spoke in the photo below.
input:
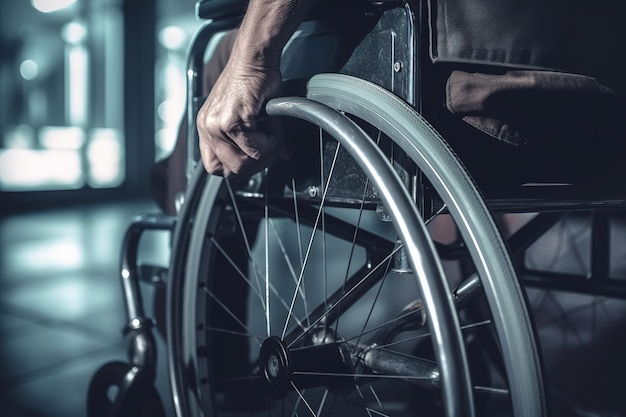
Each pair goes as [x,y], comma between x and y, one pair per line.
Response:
[287,259]
[387,323]
[322,403]
[364,376]
[371,310]
[267,261]
[245,278]
[308,251]
[399,342]
[324,260]
[477,324]
[431,218]
[491,390]
[230,313]
[324,264]
[286,306]
[354,236]
[303,399]
[331,308]
[294,413]
[297,219]
[236,267]
[298,239]
[243,234]
[227,331]
[370,410]
[363,399]
[380,404]
[427,334]
[380,413]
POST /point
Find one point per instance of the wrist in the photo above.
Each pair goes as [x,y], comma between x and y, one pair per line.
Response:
[256,55]
[266,27]
[253,62]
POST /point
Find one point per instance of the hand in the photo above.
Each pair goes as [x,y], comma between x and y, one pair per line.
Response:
[229,141]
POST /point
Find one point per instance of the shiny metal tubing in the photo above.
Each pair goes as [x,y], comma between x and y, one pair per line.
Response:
[443,322]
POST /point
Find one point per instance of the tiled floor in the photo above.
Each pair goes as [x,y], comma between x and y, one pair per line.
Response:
[61,308]
[61,314]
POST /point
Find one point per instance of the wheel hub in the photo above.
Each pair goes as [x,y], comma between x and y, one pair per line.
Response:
[276,365]
[328,365]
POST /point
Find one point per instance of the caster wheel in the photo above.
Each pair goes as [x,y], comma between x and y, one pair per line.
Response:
[109,395]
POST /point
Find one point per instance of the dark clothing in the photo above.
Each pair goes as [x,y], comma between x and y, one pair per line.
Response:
[543,77]
[577,37]
[536,108]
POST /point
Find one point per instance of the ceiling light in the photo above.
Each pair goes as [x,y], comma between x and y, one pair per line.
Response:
[49,6]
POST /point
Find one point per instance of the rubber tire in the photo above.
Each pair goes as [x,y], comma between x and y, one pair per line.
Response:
[141,400]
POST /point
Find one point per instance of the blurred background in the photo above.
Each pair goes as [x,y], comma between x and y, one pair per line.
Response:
[91,93]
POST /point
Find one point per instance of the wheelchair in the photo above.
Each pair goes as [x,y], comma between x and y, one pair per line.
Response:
[318,286]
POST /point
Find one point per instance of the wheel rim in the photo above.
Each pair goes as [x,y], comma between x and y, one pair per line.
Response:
[374,261]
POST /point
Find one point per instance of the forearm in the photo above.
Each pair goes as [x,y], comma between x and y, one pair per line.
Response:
[266,28]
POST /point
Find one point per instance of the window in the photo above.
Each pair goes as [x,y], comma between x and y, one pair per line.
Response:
[61,111]
[176,25]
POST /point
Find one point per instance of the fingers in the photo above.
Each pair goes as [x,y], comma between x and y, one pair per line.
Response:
[227,158]
[230,143]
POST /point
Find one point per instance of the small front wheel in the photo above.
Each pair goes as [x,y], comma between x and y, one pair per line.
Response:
[114,393]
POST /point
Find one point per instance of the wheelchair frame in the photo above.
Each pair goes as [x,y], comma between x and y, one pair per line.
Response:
[403,79]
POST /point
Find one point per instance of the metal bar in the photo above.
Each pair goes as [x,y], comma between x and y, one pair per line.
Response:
[128,267]
[446,335]
[412,369]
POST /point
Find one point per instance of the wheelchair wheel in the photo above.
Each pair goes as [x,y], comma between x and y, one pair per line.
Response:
[289,296]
